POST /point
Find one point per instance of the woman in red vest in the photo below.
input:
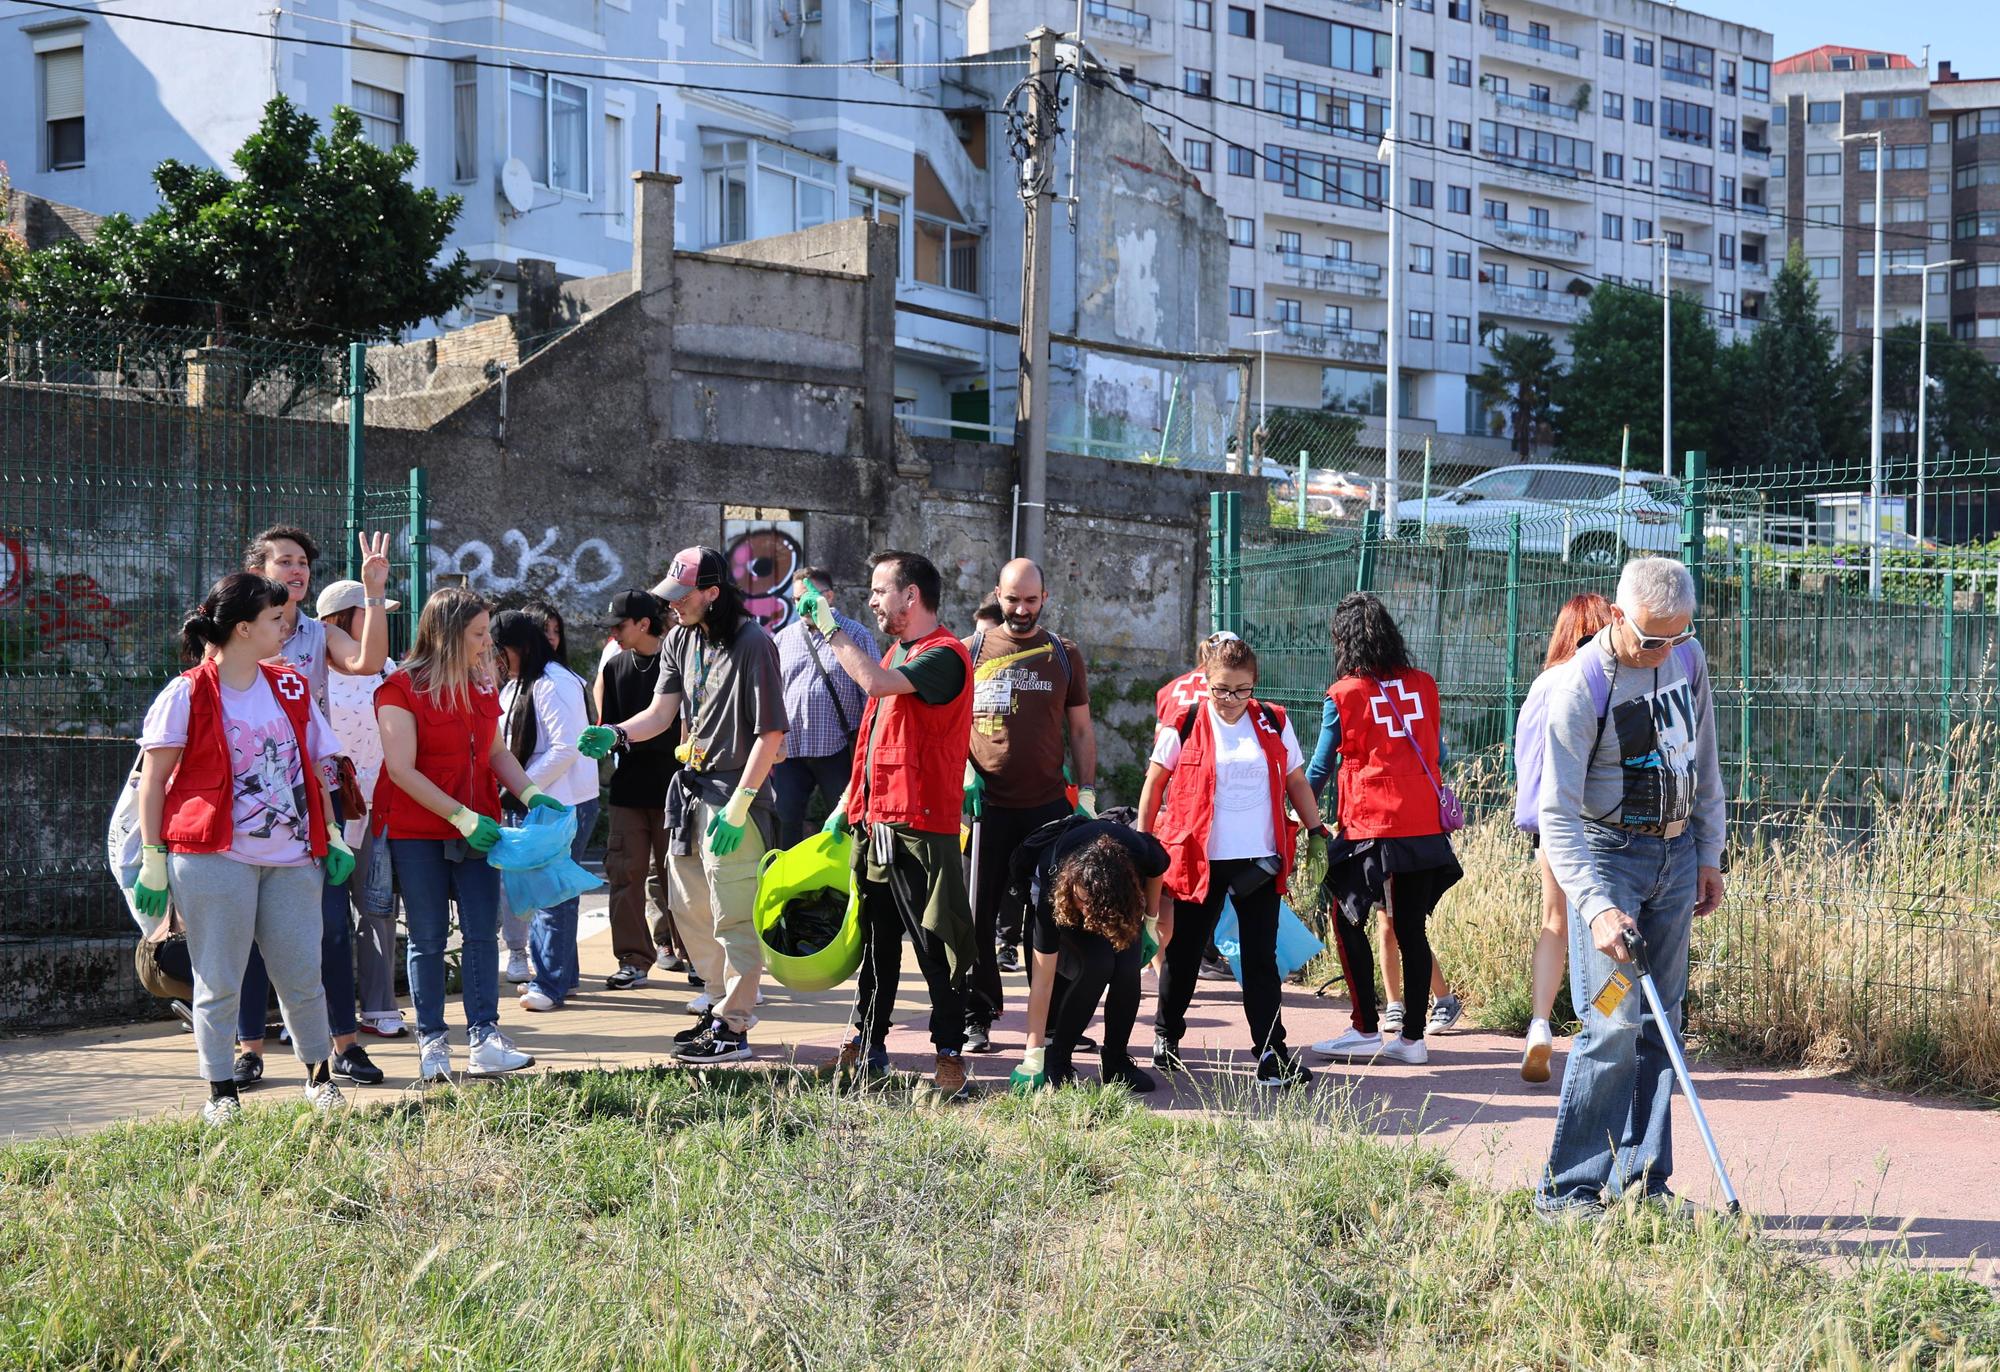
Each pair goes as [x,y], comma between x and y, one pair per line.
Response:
[1234,762]
[1392,850]
[235,824]
[438,802]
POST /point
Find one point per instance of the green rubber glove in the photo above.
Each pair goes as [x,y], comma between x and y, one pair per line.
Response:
[975,791]
[725,831]
[1086,801]
[814,607]
[597,741]
[150,894]
[535,799]
[339,860]
[479,831]
[836,823]
[1030,1075]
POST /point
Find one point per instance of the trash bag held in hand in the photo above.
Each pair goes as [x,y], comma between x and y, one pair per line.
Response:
[534,861]
[1296,944]
[797,891]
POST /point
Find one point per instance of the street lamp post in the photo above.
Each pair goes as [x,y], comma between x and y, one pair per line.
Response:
[1666,351]
[1392,429]
[1924,377]
[1875,387]
[1263,370]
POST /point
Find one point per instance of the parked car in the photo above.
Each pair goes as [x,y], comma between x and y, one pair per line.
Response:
[1569,511]
[1334,494]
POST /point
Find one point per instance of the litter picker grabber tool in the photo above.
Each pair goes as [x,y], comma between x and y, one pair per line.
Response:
[1635,943]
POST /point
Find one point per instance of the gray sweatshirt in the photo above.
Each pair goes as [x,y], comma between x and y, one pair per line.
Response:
[1655,763]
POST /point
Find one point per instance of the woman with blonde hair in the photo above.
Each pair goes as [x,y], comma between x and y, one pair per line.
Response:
[1576,624]
[438,803]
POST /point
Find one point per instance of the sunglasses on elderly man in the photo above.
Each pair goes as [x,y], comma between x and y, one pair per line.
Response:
[1652,643]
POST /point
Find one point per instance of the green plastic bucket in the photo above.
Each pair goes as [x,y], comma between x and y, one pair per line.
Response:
[821,863]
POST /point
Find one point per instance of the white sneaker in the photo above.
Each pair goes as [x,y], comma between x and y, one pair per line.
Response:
[518,969]
[1535,1060]
[435,1067]
[760,998]
[1352,1044]
[324,1096]
[494,1056]
[535,1000]
[220,1110]
[1413,1051]
[701,1004]
[1445,1012]
[1392,1018]
[387,1025]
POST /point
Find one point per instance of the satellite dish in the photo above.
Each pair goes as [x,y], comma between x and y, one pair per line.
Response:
[517,185]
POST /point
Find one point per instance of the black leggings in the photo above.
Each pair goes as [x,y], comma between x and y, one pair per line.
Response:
[1410,898]
[1098,968]
[1257,933]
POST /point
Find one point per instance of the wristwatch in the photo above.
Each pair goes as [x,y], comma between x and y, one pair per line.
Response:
[624,740]
[375,602]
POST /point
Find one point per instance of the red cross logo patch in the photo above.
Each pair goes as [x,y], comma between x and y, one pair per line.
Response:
[1408,704]
[1191,689]
[292,686]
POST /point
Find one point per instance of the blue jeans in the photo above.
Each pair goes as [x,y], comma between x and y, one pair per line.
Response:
[553,935]
[1612,1128]
[793,782]
[433,872]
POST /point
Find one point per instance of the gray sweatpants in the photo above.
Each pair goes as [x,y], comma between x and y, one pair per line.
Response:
[228,905]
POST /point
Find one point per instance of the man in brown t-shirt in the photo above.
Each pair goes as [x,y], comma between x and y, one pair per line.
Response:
[1030,696]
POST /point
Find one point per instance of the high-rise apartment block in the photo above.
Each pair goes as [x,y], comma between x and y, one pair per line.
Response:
[1940,188]
[1540,142]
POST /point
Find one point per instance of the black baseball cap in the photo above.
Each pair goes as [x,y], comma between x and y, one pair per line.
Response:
[635,605]
[694,569]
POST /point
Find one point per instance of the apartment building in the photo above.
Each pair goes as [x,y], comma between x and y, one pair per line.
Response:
[1940,142]
[1541,141]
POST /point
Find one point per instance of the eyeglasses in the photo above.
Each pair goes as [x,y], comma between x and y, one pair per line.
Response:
[1232,692]
[1652,643]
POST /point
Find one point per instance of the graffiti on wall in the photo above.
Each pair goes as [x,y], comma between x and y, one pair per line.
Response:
[67,607]
[589,567]
[763,558]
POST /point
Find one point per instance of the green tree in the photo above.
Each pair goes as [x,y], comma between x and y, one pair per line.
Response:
[1790,398]
[321,240]
[13,248]
[1614,378]
[1521,380]
[1963,412]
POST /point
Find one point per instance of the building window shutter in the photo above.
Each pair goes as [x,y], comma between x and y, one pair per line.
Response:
[62,84]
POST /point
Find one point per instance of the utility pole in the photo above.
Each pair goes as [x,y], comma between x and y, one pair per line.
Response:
[1924,377]
[1392,454]
[1033,139]
[1875,385]
[1666,351]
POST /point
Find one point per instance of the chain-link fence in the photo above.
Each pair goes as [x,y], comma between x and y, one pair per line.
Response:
[1857,726]
[135,464]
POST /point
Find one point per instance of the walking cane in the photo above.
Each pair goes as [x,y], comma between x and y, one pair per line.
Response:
[1635,943]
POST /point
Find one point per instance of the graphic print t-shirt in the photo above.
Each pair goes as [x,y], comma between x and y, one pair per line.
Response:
[1022,693]
[269,788]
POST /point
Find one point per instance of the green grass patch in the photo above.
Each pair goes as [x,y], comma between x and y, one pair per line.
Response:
[665,1219]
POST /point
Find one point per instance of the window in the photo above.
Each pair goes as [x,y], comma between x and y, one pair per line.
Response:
[1614,105]
[1422,63]
[1822,164]
[1497,272]
[1197,82]
[1727,187]
[1614,166]
[1420,259]
[1686,180]
[1975,122]
[548,128]
[1242,22]
[1642,111]
[1243,302]
[1822,111]
[1538,278]
[1458,71]
[874,29]
[1243,91]
[1976,174]
[464,121]
[1317,176]
[1823,214]
[1554,153]
[884,207]
[1459,9]
[1242,232]
[1843,63]
[1642,172]
[1242,161]
[1728,138]
[1198,14]
[1458,199]
[1458,135]
[1495,209]
[1981,274]
[1902,157]
[1728,83]
[1199,154]
[756,190]
[1757,84]
[1306,104]
[736,23]
[1777,164]
[1940,131]
[1420,194]
[1457,328]
[612,180]
[1614,44]
[1323,43]
[1420,323]
[1538,94]
[378,95]
[1686,63]
[1982,225]
[1422,128]
[1285,311]
[1902,210]
[1892,107]
[1613,228]
[1725,248]
[1864,263]
[1641,228]
[1642,51]
[1458,265]
[62,107]
[1290,242]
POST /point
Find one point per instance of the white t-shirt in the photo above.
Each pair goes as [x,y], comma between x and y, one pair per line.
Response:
[350,706]
[559,722]
[1244,826]
[271,828]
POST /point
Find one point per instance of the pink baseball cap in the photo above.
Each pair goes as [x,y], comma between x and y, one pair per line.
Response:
[694,569]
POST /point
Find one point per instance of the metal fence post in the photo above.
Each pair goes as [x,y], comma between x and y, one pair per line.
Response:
[357,385]
[1694,523]
[1950,638]
[1304,471]
[1513,627]
[1743,599]
[1364,565]
[420,538]
[1225,552]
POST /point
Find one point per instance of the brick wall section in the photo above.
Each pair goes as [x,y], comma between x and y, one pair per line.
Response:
[1857,188]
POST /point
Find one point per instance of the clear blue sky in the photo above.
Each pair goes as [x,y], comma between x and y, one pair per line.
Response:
[1962,32]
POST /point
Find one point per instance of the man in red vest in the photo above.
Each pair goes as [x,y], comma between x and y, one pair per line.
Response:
[902,804]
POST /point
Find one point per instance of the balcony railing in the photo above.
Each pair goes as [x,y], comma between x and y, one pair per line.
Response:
[1119,14]
[1689,257]
[1686,190]
[1508,100]
[1532,40]
[1751,207]
[1327,273]
[1687,76]
[1536,302]
[1539,235]
[1748,268]
[1755,149]
[1334,339]
[1499,152]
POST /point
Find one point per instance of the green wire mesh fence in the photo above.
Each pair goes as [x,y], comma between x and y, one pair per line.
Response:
[135,464]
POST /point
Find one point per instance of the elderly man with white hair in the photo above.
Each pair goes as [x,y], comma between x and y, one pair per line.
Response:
[1632,822]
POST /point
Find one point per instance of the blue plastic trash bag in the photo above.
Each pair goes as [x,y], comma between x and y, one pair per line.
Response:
[1296,944]
[534,861]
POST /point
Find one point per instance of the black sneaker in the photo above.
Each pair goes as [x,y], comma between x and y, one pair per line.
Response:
[700,1028]
[719,1044]
[1215,969]
[1122,1071]
[249,1070]
[979,1040]
[352,1064]
[1281,1068]
[1167,1054]
[1084,1044]
[1009,958]
[626,978]
[696,981]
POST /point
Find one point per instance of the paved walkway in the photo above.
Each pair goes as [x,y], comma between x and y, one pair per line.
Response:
[1836,1166]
